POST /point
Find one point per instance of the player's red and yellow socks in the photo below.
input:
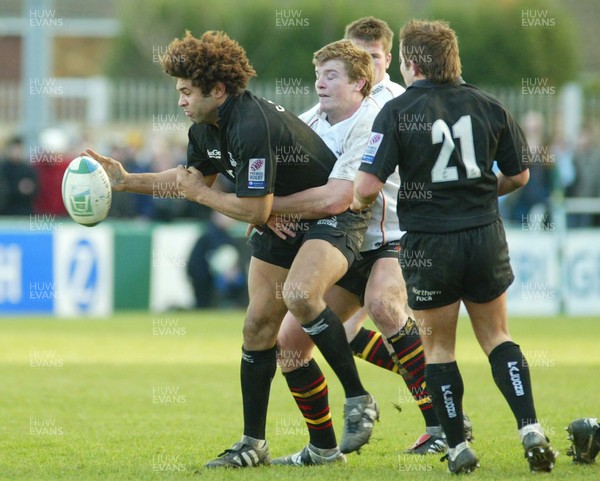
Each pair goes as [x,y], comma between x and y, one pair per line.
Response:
[409,361]
[309,388]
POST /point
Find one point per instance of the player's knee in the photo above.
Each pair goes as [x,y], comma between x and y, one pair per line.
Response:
[301,308]
[297,298]
[260,330]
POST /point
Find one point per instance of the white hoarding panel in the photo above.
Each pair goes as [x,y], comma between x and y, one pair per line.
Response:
[535,263]
[83,271]
[169,286]
[582,273]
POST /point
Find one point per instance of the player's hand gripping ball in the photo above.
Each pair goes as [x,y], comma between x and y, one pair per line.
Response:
[86,191]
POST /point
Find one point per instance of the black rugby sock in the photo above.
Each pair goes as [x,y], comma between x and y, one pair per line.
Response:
[256,373]
[445,385]
[511,374]
[327,332]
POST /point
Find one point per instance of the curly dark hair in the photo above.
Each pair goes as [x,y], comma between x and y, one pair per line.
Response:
[213,58]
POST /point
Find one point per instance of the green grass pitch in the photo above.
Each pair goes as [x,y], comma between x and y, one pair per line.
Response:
[153,397]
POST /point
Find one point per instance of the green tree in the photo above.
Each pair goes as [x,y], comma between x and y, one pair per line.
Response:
[504,42]
[279,35]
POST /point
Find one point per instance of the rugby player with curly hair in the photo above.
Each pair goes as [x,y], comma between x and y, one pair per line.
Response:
[241,136]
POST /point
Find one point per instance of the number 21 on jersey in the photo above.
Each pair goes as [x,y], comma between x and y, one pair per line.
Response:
[463,130]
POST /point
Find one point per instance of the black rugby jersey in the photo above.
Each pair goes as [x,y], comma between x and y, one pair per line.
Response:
[444,139]
[267,149]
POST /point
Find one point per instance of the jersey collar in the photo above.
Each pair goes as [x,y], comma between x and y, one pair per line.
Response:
[426,83]
[381,85]
[224,111]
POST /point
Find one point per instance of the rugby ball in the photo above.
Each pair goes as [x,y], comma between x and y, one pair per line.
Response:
[86,191]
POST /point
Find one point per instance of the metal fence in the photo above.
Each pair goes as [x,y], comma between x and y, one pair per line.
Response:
[101,101]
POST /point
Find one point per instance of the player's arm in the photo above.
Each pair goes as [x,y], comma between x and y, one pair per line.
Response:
[150,183]
[254,210]
[509,157]
[379,161]
[326,200]
[335,196]
[510,183]
[366,190]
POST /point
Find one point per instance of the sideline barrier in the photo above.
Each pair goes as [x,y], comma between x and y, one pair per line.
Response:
[69,270]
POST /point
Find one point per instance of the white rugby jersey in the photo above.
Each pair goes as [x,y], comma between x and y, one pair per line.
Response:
[348,141]
[384,227]
[386,90]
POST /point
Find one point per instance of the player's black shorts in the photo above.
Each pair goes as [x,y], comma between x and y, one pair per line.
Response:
[440,269]
[344,231]
[355,280]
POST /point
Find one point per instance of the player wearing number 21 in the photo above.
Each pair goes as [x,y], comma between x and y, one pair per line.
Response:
[444,136]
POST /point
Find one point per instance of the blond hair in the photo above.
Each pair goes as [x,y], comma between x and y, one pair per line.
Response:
[371,29]
[357,62]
